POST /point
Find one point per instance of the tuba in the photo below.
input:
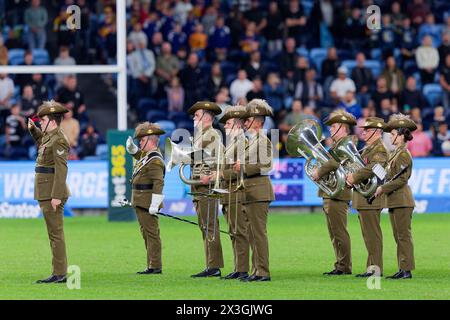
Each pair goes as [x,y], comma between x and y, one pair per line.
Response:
[352,162]
[304,141]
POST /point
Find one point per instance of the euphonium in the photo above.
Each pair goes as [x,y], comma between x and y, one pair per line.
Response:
[304,141]
[351,161]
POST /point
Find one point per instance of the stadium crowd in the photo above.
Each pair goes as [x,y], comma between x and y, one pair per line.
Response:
[306,58]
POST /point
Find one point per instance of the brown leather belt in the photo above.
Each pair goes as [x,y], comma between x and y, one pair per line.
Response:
[143,186]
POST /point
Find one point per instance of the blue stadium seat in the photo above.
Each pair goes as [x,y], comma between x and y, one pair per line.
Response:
[16,56]
[146,104]
[185,125]
[41,57]
[344,54]
[317,56]
[101,151]
[410,67]
[301,51]
[156,115]
[433,93]
[307,6]
[375,54]
[374,66]
[178,116]
[349,64]
[167,125]
[228,68]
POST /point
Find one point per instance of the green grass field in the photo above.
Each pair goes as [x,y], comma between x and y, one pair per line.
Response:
[109,254]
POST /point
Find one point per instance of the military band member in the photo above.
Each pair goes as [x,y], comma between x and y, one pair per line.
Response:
[232,202]
[258,187]
[336,207]
[50,187]
[399,198]
[206,138]
[369,214]
[147,187]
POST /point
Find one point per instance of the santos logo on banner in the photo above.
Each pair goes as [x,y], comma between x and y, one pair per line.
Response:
[87,182]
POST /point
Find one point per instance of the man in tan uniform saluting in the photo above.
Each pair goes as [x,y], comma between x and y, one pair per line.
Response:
[50,187]
[147,186]
[369,214]
[336,207]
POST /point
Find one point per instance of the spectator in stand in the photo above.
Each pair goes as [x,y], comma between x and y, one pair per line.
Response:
[421,144]
[387,36]
[40,89]
[295,21]
[208,19]
[432,29]
[192,79]
[322,22]
[156,43]
[175,96]
[89,142]
[349,104]
[29,102]
[167,66]
[249,41]
[36,18]
[254,67]
[444,48]
[64,59]
[220,39]
[215,81]
[198,40]
[310,92]
[294,116]
[427,58]
[257,91]
[240,86]
[3,52]
[274,30]
[330,66]
[23,79]
[151,25]
[167,19]
[363,78]
[394,76]
[301,66]
[418,11]
[137,35]
[142,67]
[257,15]
[71,93]
[440,135]
[342,84]
[407,41]
[15,131]
[6,93]
[444,80]
[397,15]
[387,108]
[288,59]
[65,36]
[71,128]
[411,97]
[181,10]
[381,92]
[177,37]
[274,92]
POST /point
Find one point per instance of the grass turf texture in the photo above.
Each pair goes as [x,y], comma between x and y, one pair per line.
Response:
[109,254]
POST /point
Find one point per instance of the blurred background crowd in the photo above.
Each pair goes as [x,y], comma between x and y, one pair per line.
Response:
[306,58]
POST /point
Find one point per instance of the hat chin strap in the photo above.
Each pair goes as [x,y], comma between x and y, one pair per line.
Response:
[373,133]
[340,126]
[45,130]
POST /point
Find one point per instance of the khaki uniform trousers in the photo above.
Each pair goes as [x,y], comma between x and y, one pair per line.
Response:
[256,213]
[373,237]
[336,215]
[238,227]
[401,227]
[211,240]
[149,225]
[55,229]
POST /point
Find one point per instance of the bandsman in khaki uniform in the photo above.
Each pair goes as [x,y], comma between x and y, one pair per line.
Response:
[336,207]
[147,187]
[206,138]
[399,197]
[258,187]
[232,202]
[50,187]
[369,214]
